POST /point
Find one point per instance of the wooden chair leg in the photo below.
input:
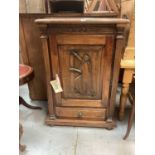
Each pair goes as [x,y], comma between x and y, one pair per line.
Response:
[21,147]
[127,79]
[123,100]
[21,101]
[130,121]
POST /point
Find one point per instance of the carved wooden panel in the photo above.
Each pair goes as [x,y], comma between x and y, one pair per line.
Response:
[84,68]
[81,71]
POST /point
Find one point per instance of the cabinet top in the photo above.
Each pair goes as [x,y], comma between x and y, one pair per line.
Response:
[81,20]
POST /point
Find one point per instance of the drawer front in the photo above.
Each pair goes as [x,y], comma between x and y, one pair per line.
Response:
[81,113]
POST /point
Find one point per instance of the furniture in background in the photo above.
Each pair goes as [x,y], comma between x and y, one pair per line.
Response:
[128,72]
[102,6]
[21,146]
[31,52]
[76,6]
[26,74]
[32,6]
[128,66]
[131,96]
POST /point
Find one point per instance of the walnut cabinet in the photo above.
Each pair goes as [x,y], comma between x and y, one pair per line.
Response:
[85,53]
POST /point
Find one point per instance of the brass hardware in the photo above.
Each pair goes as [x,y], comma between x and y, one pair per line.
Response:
[52,117]
[79,114]
[109,119]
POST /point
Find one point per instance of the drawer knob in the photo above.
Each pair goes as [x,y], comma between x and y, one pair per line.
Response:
[79,114]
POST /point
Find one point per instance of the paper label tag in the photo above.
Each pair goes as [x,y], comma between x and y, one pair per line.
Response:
[56,84]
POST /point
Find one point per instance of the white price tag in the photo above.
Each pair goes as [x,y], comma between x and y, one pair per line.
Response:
[56,84]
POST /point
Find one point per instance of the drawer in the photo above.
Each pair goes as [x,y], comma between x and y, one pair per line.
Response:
[81,113]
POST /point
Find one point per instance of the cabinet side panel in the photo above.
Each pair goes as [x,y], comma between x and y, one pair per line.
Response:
[108,54]
[31,49]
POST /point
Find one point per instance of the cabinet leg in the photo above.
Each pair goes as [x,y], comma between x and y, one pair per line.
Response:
[123,99]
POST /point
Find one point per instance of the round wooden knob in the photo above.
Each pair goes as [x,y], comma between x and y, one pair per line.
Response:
[80,114]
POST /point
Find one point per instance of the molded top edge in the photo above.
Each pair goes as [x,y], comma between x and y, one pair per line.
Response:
[81,20]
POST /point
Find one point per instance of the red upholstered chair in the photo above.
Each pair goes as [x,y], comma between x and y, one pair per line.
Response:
[26,74]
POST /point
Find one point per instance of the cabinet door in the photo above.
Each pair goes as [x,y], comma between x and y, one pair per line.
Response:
[83,63]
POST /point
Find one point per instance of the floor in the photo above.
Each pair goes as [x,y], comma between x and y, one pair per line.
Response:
[41,139]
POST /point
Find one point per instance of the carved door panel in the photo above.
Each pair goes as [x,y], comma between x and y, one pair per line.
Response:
[81,71]
[83,64]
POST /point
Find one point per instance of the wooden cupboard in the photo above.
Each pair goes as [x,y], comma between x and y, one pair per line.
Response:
[30,52]
[85,53]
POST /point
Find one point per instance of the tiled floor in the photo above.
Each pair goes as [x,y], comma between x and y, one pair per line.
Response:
[41,139]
